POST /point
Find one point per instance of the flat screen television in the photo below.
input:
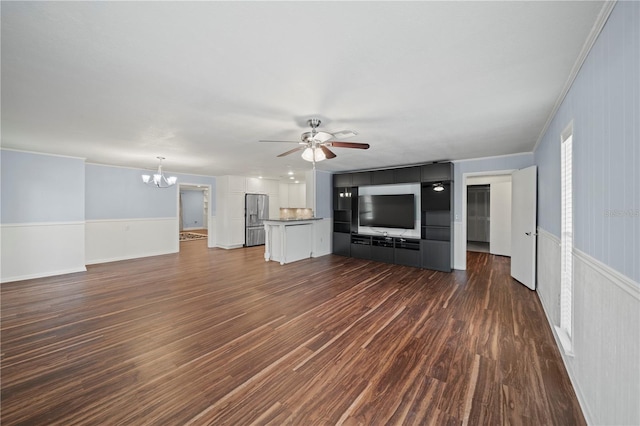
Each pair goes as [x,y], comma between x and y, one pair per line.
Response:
[387,211]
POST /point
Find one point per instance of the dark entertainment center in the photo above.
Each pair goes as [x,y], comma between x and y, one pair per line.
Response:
[433,250]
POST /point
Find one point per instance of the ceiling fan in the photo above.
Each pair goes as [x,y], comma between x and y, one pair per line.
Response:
[315,144]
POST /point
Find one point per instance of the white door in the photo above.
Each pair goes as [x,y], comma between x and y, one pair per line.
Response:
[523,226]
[500,213]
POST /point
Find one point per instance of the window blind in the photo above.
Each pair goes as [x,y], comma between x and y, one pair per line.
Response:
[566,237]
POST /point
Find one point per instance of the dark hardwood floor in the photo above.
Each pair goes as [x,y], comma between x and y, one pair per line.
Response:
[209,336]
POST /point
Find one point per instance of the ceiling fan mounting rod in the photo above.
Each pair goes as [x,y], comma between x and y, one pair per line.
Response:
[314,122]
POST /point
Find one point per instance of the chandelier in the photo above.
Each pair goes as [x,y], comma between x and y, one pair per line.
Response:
[159,180]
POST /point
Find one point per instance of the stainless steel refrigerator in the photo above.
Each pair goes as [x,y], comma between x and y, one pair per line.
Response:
[256,210]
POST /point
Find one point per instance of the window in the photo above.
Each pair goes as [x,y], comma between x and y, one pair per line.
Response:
[566,240]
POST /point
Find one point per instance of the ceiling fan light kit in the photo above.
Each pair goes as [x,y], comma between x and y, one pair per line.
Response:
[159,180]
[438,187]
[313,154]
[315,144]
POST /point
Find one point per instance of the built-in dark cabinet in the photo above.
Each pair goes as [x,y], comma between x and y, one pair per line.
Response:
[435,226]
[361,179]
[407,175]
[342,244]
[344,210]
[361,246]
[433,250]
[382,249]
[407,252]
[436,172]
[400,251]
[436,255]
[382,177]
[431,199]
[342,180]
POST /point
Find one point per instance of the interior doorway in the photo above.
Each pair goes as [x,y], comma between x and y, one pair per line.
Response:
[193,213]
[499,215]
[478,218]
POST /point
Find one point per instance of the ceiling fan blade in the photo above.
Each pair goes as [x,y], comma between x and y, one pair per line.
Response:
[327,152]
[356,145]
[280,141]
[344,134]
[291,151]
[323,136]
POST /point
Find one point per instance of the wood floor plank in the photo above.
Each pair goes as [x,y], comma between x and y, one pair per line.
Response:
[210,336]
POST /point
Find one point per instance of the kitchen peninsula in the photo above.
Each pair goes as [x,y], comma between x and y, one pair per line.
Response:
[289,240]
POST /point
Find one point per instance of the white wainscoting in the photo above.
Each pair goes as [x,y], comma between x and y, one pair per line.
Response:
[119,239]
[212,232]
[605,368]
[34,250]
[322,237]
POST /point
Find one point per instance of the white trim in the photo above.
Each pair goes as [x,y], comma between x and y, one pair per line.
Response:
[43,274]
[565,341]
[18,225]
[621,281]
[137,219]
[203,187]
[144,169]
[44,153]
[492,156]
[460,241]
[596,29]
[548,235]
[129,257]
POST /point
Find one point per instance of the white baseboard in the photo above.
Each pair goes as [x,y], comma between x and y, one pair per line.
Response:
[230,247]
[43,275]
[118,259]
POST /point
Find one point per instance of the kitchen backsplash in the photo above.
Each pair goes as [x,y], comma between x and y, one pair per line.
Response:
[295,213]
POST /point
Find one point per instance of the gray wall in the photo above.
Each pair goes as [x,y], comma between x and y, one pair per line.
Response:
[192,209]
[604,104]
[118,193]
[506,162]
[41,188]
[324,188]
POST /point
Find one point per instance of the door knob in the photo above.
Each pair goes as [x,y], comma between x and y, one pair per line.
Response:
[529,233]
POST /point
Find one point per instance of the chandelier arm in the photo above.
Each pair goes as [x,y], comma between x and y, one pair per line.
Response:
[159,180]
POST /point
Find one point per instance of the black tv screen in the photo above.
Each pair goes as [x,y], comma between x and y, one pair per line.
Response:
[387,211]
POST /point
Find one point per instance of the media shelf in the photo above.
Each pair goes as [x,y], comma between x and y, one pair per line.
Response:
[397,250]
[382,241]
[433,250]
[361,246]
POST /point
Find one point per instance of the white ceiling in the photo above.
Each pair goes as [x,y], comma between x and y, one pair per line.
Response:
[201,82]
